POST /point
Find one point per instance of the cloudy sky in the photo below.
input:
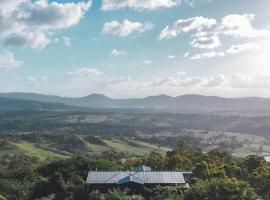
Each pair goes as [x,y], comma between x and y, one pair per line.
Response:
[135,48]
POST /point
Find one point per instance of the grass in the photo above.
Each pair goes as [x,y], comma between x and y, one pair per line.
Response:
[9,152]
[250,144]
[98,148]
[121,146]
[151,147]
[30,150]
[239,144]
[43,152]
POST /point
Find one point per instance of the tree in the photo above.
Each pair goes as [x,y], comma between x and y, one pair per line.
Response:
[183,146]
[221,189]
[155,160]
[57,183]
[201,170]
[117,195]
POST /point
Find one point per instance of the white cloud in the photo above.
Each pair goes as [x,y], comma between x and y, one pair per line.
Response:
[217,81]
[243,47]
[257,81]
[34,40]
[27,23]
[190,2]
[67,41]
[171,57]
[181,73]
[178,82]
[139,4]
[148,62]
[207,31]
[142,5]
[186,54]
[200,24]
[8,61]
[234,49]
[211,54]
[115,81]
[126,28]
[37,78]
[9,6]
[204,42]
[251,82]
[193,3]
[231,25]
[116,52]
[36,81]
[84,73]
[44,15]
[241,26]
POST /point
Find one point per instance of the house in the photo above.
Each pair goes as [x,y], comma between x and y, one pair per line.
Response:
[142,177]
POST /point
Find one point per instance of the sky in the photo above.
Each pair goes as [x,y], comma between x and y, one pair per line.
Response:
[135,48]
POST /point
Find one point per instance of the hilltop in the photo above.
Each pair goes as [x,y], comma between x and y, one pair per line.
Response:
[184,103]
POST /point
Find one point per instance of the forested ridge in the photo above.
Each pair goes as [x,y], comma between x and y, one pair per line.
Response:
[217,175]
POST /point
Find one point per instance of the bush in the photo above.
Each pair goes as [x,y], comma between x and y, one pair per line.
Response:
[221,189]
[117,195]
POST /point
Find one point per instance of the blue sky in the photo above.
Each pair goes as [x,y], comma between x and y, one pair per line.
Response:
[135,48]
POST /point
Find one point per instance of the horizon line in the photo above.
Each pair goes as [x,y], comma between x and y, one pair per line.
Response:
[118,98]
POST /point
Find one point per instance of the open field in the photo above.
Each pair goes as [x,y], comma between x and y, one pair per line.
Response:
[30,150]
[49,146]
[44,148]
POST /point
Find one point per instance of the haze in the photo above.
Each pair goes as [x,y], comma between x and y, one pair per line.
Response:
[132,49]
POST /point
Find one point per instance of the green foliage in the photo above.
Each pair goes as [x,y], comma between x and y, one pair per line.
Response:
[155,160]
[117,195]
[168,193]
[217,176]
[96,195]
[221,189]
[201,170]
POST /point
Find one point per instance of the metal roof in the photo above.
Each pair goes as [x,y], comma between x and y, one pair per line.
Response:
[130,179]
[148,177]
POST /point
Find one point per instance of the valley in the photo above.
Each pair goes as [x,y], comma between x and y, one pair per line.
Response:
[54,134]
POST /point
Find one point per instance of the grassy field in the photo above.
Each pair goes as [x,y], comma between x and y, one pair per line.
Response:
[98,148]
[30,150]
[122,146]
[42,149]
[151,147]
[238,144]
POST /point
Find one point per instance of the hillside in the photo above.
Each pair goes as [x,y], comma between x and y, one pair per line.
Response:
[46,147]
[20,104]
[79,132]
[185,103]
[215,174]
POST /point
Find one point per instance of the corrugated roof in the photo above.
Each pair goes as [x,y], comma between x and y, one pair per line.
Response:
[150,177]
[130,179]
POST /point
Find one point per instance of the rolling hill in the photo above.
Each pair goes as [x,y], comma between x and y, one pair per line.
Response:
[189,103]
[19,104]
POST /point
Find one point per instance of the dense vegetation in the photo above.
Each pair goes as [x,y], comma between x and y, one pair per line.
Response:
[129,122]
[217,175]
[118,129]
[47,154]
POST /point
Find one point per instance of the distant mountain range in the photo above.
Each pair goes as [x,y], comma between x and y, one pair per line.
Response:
[19,104]
[193,103]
